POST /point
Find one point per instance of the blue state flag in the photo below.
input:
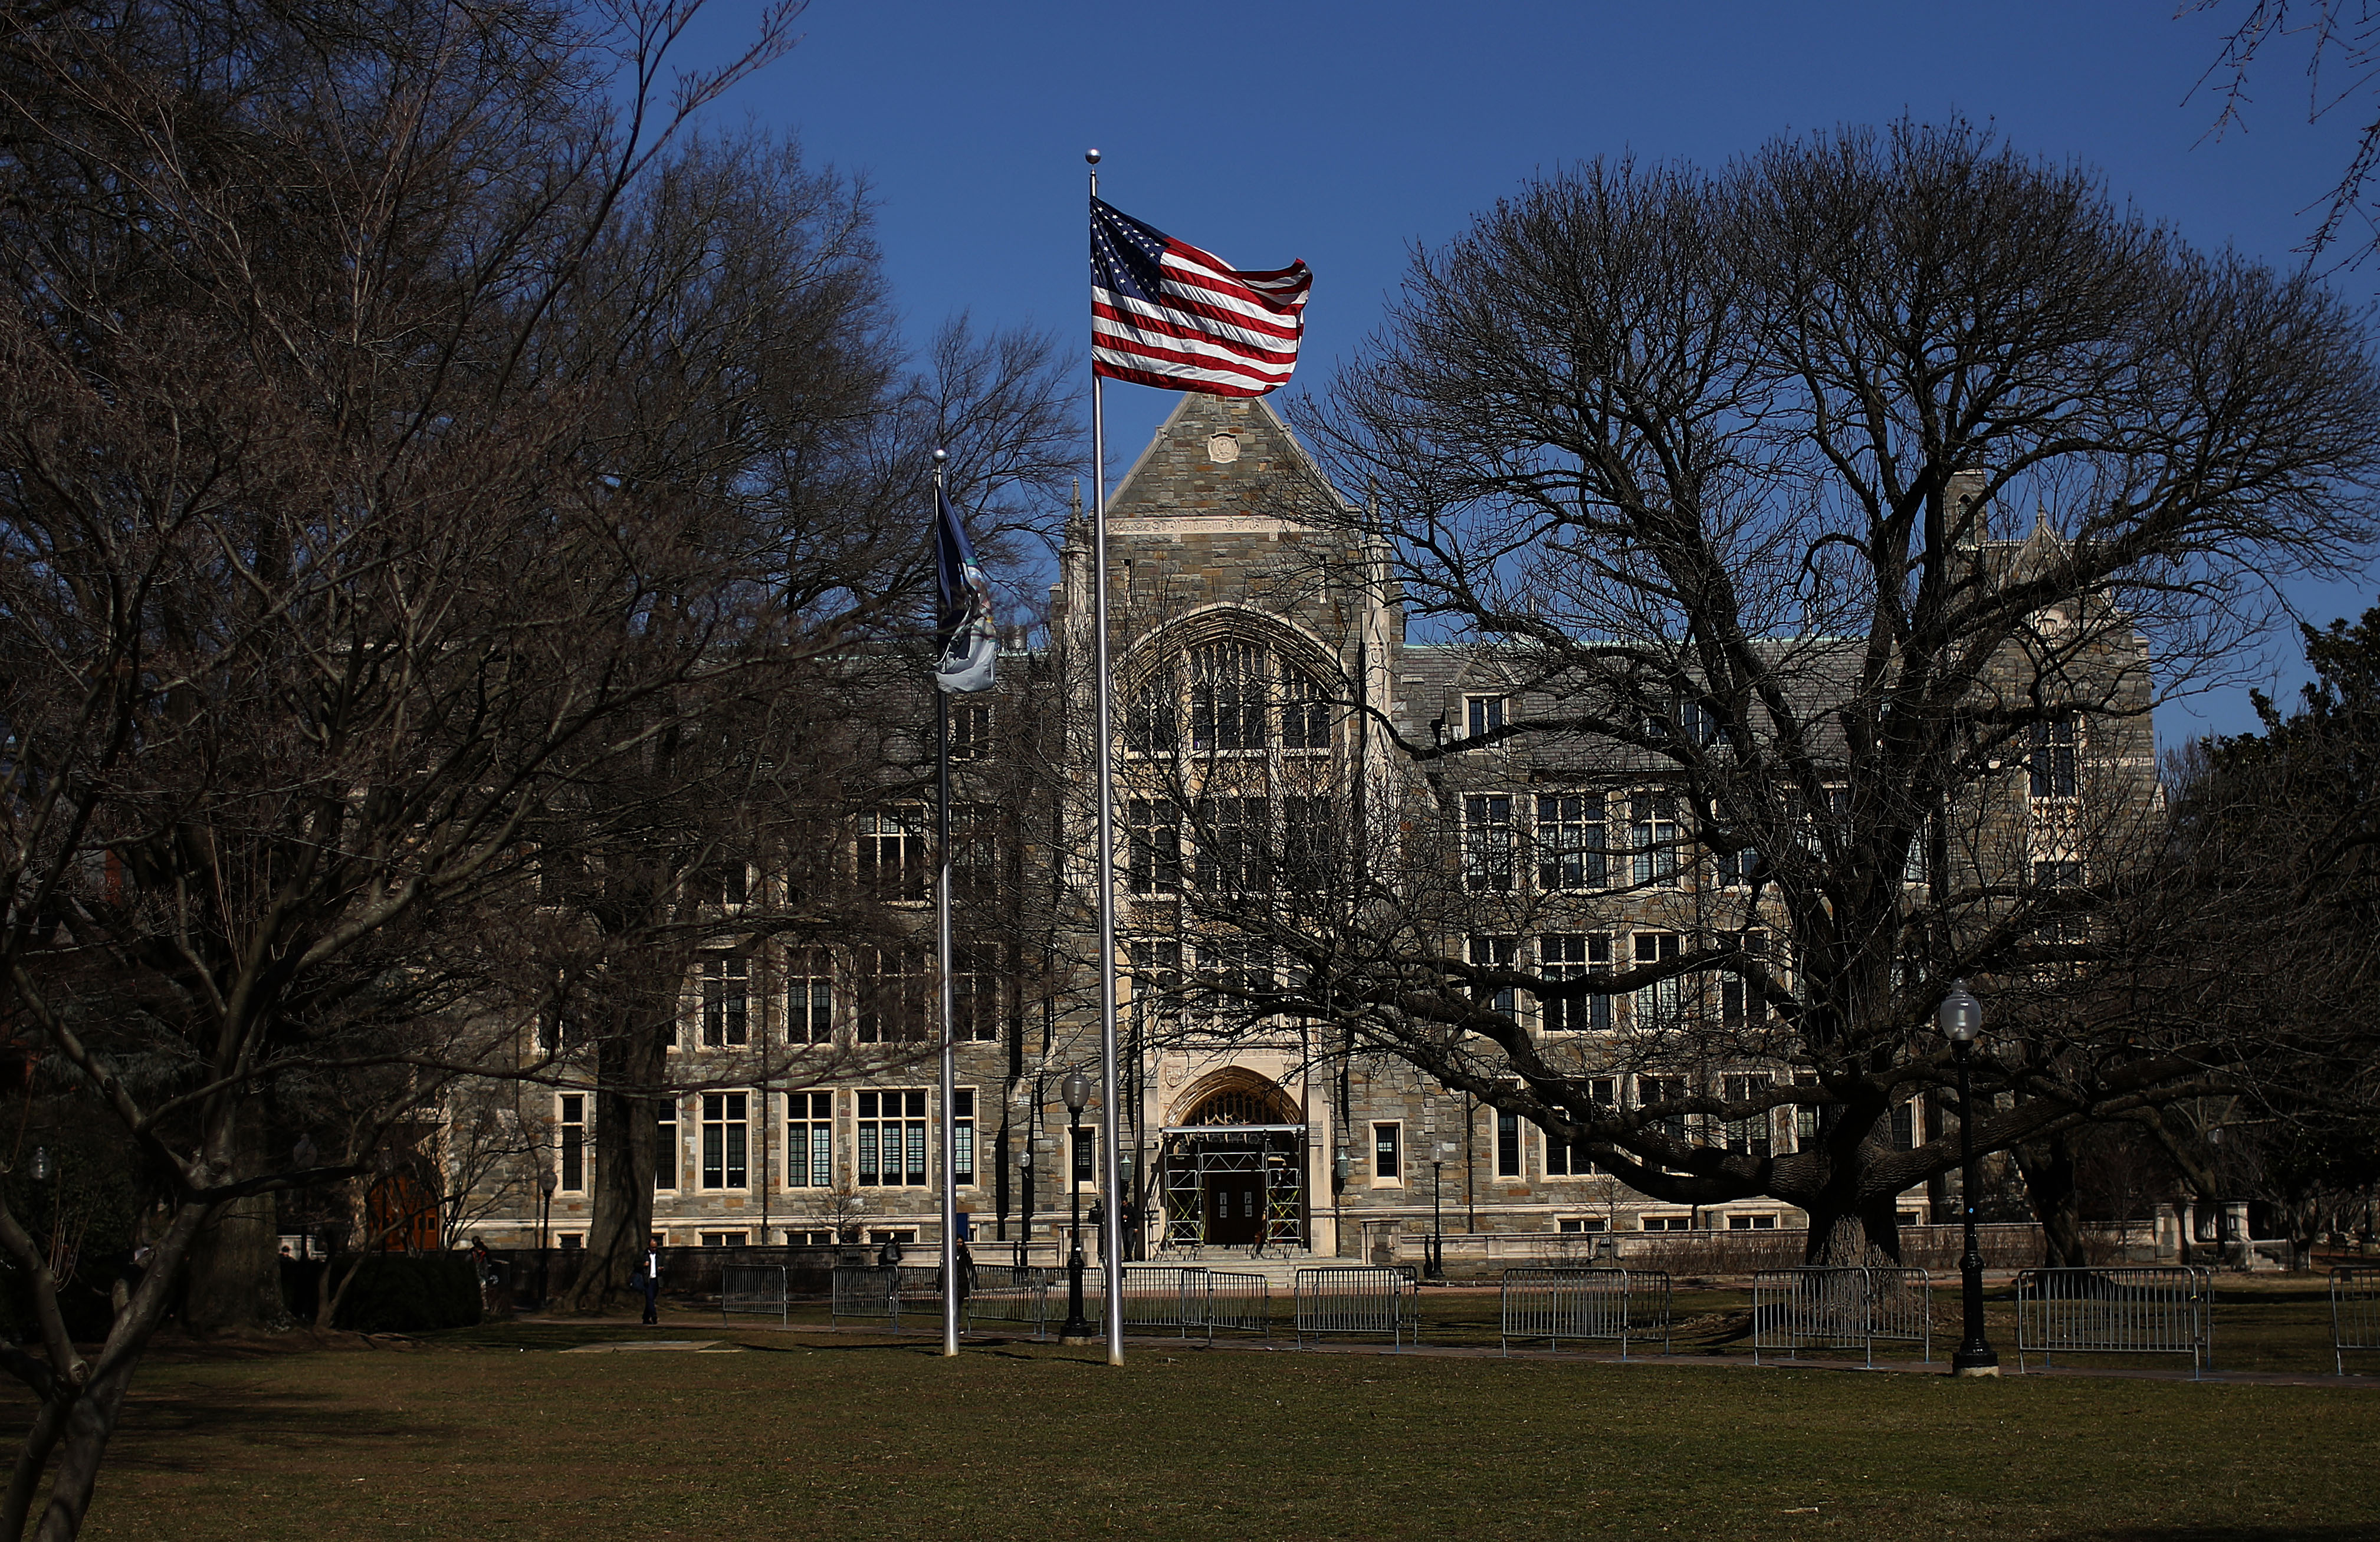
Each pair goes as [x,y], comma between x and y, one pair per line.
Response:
[970,649]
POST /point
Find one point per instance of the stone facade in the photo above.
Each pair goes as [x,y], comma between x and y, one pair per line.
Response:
[1222,604]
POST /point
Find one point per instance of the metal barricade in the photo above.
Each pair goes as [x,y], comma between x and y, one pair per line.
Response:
[2116,1311]
[877,1291]
[2354,1311]
[1358,1299]
[1237,1303]
[1557,1304]
[1005,1293]
[1161,1296]
[756,1290]
[1852,1308]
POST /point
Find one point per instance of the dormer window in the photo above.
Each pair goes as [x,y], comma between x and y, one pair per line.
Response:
[1483,714]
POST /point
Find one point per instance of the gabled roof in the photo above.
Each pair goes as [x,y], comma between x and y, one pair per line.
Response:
[1226,457]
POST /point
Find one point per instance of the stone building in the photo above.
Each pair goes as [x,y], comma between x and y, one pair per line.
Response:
[1241,638]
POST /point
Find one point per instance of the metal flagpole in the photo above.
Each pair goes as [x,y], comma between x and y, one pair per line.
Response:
[1112,1220]
[942,948]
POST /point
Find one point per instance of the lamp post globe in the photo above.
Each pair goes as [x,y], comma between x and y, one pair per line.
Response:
[1961,1018]
[1076,1090]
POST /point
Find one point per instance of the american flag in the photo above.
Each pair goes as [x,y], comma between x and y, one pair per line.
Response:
[1164,313]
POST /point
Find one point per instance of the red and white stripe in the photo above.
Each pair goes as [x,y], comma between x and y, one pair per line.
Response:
[1212,328]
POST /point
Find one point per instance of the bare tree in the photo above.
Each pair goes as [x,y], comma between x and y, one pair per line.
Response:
[2341,42]
[1713,477]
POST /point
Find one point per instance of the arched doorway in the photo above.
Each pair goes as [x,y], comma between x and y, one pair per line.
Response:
[1235,1166]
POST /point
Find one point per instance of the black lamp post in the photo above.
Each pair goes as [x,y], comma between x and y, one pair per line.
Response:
[1025,1232]
[1434,1267]
[547,1182]
[1961,1018]
[1076,1090]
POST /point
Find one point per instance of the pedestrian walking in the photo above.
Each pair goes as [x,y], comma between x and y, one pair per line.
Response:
[649,1279]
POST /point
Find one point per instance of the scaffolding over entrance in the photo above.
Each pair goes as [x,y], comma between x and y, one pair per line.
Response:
[1232,1185]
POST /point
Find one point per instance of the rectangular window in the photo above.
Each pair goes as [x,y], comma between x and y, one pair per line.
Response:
[1236,974]
[1307,849]
[1669,1223]
[1739,868]
[1571,851]
[891,1134]
[1155,853]
[892,853]
[810,1140]
[2058,874]
[1805,1115]
[1905,1125]
[1227,696]
[1580,1224]
[974,852]
[1739,1004]
[970,730]
[1653,1091]
[893,996]
[1086,1156]
[1653,839]
[1305,711]
[1747,1137]
[1508,1144]
[1577,1160]
[666,1145]
[726,1131]
[574,1142]
[1152,724]
[1568,1160]
[974,995]
[1575,955]
[1751,1223]
[726,1001]
[1496,952]
[1657,1002]
[809,996]
[1155,985]
[1488,842]
[1232,848]
[1387,1153]
[2055,745]
[963,1134]
[1483,714]
[723,883]
[722,1239]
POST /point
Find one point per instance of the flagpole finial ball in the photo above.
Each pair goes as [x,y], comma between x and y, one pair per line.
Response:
[940,456]
[1092,156]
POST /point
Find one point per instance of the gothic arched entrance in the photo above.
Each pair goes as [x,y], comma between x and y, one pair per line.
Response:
[1235,1166]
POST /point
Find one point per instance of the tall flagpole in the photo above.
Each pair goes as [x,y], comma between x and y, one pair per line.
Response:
[942,947]
[1111,1218]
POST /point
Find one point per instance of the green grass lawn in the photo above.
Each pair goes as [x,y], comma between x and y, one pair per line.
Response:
[491,1434]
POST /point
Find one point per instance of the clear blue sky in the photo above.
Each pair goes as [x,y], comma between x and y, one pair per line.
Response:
[1343,132]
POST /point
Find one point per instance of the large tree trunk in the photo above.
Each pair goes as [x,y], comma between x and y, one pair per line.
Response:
[629,1065]
[1855,1231]
[79,1423]
[2048,1170]
[235,1282]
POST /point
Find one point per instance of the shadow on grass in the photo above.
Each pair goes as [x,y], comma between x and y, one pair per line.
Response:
[173,1433]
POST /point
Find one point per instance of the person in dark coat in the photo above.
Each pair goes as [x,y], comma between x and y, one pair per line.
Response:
[647,1279]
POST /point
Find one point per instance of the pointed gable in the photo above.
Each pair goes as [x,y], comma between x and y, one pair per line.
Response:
[1219,458]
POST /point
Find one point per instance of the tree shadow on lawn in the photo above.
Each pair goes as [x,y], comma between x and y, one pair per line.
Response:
[174,1432]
